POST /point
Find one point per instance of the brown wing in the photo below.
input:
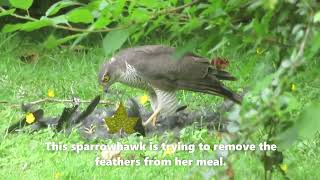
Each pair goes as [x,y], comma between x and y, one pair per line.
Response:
[157,65]
[154,62]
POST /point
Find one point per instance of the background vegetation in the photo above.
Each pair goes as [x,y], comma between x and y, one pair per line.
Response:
[272,46]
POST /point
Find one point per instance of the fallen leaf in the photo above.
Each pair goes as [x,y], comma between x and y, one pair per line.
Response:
[230,172]
[121,121]
[29,57]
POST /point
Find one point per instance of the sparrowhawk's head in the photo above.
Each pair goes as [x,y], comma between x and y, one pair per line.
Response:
[108,75]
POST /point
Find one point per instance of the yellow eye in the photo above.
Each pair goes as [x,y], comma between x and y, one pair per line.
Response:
[106,78]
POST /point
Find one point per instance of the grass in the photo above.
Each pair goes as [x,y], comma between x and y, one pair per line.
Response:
[24,156]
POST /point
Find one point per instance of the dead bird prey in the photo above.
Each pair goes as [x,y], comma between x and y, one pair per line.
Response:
[91,124]
[153,68]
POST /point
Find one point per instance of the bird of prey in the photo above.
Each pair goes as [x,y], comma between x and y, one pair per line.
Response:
[154,68]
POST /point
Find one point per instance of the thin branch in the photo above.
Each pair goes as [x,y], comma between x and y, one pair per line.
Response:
[68,27]
[174,10]
[303,44]
[75,29]
[49,100]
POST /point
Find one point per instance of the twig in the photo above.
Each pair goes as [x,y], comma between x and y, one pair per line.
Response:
[106,29]
[49,100]
[173,10]
[303,44]
[69,27]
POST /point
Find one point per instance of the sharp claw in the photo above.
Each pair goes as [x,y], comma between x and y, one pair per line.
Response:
[90,130]
[154,121]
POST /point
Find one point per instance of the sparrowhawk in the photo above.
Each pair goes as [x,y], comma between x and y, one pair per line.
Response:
[155,69]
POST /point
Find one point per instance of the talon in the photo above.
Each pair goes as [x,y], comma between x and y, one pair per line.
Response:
[90,130]
[154,121]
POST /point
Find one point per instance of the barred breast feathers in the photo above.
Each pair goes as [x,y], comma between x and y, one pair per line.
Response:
[131,77]
[167,101]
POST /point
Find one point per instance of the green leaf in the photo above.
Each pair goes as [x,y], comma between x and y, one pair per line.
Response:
[59,19]
[290,101]
[270,4]
[155,24]
[258,27]
[7,12]
[78,40]
[140,15]
[114,40]
[307,127]
[52,42]
[233,4]
[149,3]
[219,45]
[173,2]
[11,27]
[21,4]
[310,123]
[286,138]
[55,8]
[119,8]
[4,3]
[97,5]
[262,83]
[80,15]
[187,48]
[30,26]
[191,25]
[102,21]
[265,21]
[315,41]
[316,17]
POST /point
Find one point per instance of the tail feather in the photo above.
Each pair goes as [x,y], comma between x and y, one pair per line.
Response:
[221,75]
[210,86]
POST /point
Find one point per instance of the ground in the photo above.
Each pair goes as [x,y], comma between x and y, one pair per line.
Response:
[23,156]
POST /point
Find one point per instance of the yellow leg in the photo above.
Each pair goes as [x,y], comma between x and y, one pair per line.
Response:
[154,120]
[153,117]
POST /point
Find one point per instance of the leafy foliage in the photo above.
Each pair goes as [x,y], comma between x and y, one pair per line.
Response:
[21,4]
[262,24]
[55,8]
[80,15]
[272,31]
[114,40]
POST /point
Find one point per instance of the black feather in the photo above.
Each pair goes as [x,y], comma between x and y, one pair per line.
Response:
[65,117]
[89,110]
